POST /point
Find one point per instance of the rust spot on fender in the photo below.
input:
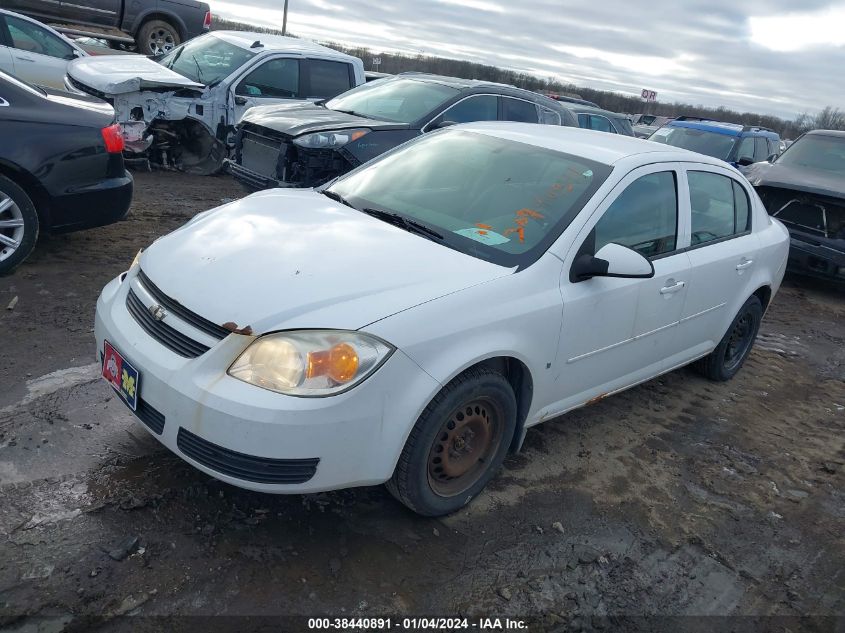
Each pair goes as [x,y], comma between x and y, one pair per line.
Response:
[234,329]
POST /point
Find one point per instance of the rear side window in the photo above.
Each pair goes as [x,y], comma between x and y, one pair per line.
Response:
[478,108]
[602,124]
[549,117]
[518,110]
[31,38]
[644,217]
[328,79]
[720,207]
[277,78]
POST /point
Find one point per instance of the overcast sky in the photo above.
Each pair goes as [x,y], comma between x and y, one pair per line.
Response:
[775,56]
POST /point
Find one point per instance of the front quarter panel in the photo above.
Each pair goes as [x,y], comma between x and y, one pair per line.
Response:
[517,316]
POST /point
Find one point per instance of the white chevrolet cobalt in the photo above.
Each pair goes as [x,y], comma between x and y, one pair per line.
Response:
[410,321]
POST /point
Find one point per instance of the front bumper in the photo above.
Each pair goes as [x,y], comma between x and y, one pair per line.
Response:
[351,439]
[251,180]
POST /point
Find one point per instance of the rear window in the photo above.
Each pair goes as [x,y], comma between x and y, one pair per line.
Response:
[328,79]
[701,141]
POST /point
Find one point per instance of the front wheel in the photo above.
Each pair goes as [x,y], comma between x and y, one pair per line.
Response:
[457,444]
[731,352]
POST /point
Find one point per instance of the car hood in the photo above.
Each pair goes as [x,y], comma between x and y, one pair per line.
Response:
[814,181]
[118,74]
[283,259]
[306,118]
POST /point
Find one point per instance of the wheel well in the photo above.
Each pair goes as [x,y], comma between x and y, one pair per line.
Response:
[33,189]
[764,294]
[520,379]
[165,18]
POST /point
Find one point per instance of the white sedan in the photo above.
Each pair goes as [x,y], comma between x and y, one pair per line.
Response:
[409,322]
[34,52]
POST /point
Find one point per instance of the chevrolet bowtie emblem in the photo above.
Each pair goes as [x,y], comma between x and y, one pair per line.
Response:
[157,311]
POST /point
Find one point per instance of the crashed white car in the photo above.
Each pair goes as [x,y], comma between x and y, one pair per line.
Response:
[410,321]
[179,110]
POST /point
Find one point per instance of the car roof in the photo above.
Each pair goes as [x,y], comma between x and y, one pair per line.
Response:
[723,127]
[270,42]
[836,133]
[455,82]
[584,109]
[600,147]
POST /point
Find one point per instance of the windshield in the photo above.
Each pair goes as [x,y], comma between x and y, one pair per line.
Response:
[701,141]
[206,60]
[491,198]
[816,152]
[399,100]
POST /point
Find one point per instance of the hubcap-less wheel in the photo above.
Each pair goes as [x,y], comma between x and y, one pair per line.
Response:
[739,341]
[161,41]
[468,439]
[11,227]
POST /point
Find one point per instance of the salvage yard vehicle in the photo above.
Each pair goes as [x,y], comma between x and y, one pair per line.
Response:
[409,322]
[61,166]
[307,145]
[645,125]
[180,109]
[594,118]
[805,189]
[739,145]
[34,52]
[155,27]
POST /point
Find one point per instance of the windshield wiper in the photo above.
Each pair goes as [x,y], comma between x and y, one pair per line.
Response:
[402,222]
[337,198]
[353,113]
[199,70]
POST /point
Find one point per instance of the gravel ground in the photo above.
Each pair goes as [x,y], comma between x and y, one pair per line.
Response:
[680,497]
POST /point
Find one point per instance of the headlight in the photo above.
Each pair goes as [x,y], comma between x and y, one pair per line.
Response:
[310,362]
[136,260]
[330,139]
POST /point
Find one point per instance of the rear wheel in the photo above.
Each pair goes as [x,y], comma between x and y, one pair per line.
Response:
[724,362]
[157,37]
[18,225]
[457,445]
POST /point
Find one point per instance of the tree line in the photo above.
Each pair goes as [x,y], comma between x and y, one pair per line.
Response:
[830,118]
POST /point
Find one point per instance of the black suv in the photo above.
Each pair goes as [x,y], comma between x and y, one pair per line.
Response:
[307,145]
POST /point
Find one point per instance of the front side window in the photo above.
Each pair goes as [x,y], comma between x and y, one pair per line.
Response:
[477,108]
[328,79]
[746,148]
[400,99]
[719,206]
[701,141]
[518,110]
[206,59]
[278,78]
[644,217]
[491,198]
[33,39]
[761,149]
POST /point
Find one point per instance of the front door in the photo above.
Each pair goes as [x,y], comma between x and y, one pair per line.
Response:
[276,80]
[617,332]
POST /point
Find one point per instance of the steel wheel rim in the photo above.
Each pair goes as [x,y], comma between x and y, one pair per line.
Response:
[739,340]
[464,445]
[161,42]
[11,227]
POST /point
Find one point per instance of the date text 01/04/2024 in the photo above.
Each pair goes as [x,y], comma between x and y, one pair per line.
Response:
[417,624]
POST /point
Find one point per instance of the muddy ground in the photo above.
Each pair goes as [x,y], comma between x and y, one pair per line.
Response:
[680,497]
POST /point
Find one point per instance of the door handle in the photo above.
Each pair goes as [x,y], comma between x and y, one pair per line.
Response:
[744,263]
[676,287]
[21,58]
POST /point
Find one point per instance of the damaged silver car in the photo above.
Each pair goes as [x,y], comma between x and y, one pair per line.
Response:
[179,111]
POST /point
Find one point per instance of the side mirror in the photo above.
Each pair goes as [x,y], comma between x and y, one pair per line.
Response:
[442,124]
[240,100]
[772,158]
[745,161]
[612,260]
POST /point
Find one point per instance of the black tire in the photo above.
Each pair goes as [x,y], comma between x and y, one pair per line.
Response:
[157,37]
[725,361]
[490,406]
[11,257]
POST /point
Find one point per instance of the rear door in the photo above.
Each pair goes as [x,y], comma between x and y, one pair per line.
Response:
[722,253]
[326,78]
